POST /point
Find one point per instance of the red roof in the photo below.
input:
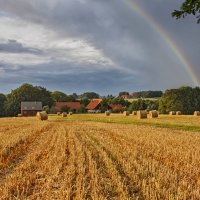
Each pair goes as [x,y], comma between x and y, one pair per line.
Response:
[116,106]
[71,105]
[93,104]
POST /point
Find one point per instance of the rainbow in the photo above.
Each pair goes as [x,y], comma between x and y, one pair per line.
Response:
[165,36]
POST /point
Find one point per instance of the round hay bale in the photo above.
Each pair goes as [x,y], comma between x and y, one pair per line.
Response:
[58,113]
[178,113]
[64,114]
[153,114]
[70,113]
[142,114]
[42,115]
[107,113]
[19,115]
[196,113]
[172,113]
[134,113]
[126,113]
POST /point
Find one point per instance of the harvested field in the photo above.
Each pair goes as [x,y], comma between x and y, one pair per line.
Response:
[70,159]
[183,122]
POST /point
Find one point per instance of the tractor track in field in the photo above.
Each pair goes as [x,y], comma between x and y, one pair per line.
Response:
[129,185]
[95,159]
[16,154]
[99,154]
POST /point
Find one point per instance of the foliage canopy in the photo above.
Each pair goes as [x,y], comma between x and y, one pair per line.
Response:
[187,8]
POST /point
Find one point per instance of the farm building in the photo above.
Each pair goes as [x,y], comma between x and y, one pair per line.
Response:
[74,106]
[94,105]
[29,108]
[116,107]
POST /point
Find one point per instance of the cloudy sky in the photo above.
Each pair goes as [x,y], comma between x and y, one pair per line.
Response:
[104,46]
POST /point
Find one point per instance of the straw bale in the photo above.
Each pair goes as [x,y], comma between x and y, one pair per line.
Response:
[134,113]
[126,113]
[64,114]
[178,113]
[42,115]
[153,114]
[172,113]
[142,114]
[107,113]
[196,113]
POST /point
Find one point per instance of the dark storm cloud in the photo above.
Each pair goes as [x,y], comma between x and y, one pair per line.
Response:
[71,81]
[119,33]
[12,46]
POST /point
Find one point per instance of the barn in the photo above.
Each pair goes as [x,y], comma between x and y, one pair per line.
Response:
[116,107]
[74,106]
[29,108]
[94,105]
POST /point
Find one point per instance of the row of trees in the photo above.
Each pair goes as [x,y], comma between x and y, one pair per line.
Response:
[10,104]
[184,99]
[61,97]
[143,94]
[147,94]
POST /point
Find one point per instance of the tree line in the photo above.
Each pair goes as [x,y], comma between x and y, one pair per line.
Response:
[10,104]
[184,99]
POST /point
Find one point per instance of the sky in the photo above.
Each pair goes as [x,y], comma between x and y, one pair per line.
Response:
[105,46]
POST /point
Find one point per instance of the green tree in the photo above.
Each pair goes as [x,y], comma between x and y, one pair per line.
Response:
[152,105]
[120,100]
[188,7]
[123,93]
[139,104]
[89,95]
[84,101]
[147,94]
[2,105]
[62,97]
[26,92]
[82,109]
[65,109]
[58,96]
[104,104]
[46,108]
[184,99]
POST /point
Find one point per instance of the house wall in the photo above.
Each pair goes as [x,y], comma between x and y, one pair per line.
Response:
[27,113]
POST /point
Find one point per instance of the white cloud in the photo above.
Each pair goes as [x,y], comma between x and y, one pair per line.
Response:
[32,35]
[22,59]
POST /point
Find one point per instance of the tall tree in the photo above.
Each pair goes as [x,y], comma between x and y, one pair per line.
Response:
[188,7]
[104,104]
[120,100]
[2,105]
[123,93]
[59,96]
[26,92]
[185,99]
[89,95]
[147,94]
[84,101]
